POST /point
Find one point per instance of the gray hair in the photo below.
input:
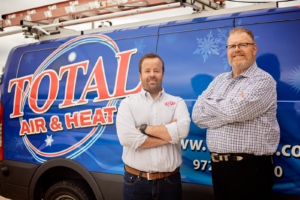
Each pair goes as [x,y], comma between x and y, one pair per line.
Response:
[241,30]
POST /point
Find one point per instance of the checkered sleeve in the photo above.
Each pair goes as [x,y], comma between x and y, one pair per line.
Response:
[202,118]
[259,96]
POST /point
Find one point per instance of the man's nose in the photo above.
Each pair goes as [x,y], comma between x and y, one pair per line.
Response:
[152,73]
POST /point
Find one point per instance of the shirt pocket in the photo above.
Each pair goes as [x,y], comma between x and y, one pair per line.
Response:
[237,91]
[168,114]
[218,92]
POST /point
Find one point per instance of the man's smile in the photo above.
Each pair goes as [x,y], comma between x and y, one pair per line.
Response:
[153,81]
[238,56]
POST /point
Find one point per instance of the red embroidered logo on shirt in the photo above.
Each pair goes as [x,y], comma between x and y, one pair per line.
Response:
[170,103]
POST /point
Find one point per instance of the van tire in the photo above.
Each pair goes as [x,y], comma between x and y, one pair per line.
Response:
[69,190]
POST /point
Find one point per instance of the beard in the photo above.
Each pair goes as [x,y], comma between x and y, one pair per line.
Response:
[152,88]
[245,64]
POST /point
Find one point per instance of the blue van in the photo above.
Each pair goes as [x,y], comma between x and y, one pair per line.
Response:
[60,97]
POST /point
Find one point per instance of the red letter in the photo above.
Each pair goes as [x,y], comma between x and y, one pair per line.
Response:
[55,124]
[85,118]
[40,125]
[32,127]
[98,117]
[71,120]
[53,90]
[98,75]
[19,95]
[24,128]
[110,113]
[71,81]
[122,74]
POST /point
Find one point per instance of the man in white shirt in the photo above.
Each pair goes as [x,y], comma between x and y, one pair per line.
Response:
[150,126]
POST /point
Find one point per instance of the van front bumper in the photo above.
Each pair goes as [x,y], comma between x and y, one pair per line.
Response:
[15,180]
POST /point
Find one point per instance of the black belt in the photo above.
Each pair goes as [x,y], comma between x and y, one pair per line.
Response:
[232,157]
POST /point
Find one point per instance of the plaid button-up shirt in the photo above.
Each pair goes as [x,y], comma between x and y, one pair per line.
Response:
[240,113]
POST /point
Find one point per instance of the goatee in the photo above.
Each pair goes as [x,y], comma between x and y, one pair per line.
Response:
[244,65]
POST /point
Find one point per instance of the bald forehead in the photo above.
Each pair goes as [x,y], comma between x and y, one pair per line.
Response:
[240,37]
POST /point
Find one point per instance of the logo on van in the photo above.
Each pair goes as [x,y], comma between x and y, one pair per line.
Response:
[28,87]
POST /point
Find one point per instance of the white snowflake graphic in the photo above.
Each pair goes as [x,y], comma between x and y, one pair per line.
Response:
[222,46]
[207,46]
[295,79]
[140,46]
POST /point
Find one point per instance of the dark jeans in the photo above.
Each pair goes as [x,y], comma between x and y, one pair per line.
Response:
[135,188]
[247,179]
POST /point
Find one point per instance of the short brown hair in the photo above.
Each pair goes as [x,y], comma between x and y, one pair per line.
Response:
[150,55]
[241,30]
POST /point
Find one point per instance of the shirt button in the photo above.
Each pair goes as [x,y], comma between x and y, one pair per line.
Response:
[229,86]
[209,141]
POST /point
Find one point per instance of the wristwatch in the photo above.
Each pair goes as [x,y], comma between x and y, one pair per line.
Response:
[143,128]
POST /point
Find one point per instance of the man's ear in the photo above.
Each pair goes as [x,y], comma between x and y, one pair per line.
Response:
[163,76]
[254,49]
[140,75]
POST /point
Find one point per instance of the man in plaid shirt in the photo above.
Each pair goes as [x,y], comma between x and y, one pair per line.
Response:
[239,111]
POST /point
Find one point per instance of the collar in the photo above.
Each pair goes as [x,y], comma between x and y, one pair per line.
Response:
[248,73]
[146,94]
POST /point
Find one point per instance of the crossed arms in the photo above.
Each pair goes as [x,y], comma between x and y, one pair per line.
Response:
[160,136]
[254,101]
[130,136]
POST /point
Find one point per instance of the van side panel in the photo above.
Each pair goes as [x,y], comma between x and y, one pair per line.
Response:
[81,140]
[69,93]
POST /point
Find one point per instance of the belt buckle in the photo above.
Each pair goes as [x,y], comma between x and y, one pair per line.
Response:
[148,177]
[213,157]
[239,158]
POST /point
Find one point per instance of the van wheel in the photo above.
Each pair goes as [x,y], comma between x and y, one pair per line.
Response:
[69,190]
